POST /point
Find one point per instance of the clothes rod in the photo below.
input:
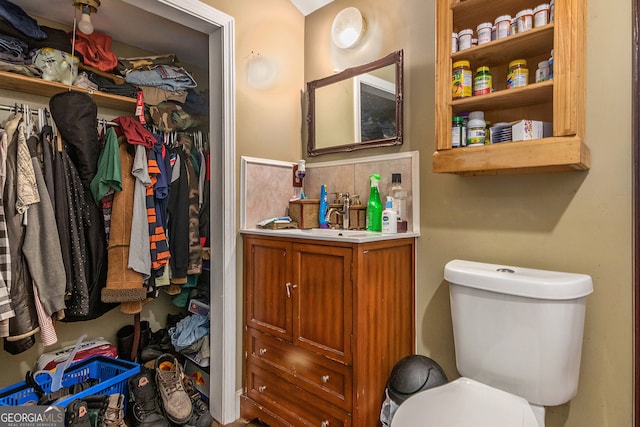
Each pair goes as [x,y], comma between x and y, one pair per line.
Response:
[35,113]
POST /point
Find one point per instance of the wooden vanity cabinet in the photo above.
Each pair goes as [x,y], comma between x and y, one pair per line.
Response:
[560,101]
[324,323]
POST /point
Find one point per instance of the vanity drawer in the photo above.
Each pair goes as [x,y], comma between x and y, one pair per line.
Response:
[327,379]
[292,404]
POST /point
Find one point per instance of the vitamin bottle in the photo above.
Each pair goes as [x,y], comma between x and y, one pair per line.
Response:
[456,131]
[461,80]
[477,128]
[518,74]
[482,83]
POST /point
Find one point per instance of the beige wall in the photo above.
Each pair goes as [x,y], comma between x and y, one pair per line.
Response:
[579,222]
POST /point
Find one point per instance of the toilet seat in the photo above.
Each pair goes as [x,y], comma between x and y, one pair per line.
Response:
[463,403]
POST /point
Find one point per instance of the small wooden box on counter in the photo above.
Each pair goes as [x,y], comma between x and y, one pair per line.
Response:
[305,212]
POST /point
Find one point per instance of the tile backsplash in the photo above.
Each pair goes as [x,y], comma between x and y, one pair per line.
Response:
[266,185]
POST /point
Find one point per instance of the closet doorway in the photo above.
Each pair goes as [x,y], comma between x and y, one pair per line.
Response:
[203,36]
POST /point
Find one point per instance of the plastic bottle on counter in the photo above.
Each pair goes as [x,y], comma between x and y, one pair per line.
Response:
[399,196]
[389,218]
[374,205]
[324,205]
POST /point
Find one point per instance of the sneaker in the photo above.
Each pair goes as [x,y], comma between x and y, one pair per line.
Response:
[145,406]
[201,416]
[77,414]
[175,401]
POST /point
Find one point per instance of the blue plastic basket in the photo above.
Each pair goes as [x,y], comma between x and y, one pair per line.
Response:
[112,374]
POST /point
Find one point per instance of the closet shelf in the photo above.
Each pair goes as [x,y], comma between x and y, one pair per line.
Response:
[36,86]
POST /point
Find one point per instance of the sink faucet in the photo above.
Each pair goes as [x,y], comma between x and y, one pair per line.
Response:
[346,203]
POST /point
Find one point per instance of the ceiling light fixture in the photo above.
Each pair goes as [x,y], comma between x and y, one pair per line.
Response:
[348,28]
[87,7]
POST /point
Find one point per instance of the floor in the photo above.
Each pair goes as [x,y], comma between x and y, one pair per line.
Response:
[241,423]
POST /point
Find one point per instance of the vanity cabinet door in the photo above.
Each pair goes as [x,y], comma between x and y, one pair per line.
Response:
[268,286]
[323,300]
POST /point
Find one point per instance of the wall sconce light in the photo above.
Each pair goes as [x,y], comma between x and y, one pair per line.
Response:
[87,7]
[348,28]
[261,71]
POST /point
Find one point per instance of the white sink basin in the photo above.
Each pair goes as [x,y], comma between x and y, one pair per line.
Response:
[328,232]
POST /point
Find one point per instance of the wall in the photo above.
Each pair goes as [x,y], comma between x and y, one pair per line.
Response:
[578,222]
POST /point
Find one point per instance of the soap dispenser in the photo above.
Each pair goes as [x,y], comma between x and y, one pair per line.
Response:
[374,205]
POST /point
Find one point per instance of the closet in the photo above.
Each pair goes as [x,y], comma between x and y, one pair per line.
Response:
[173,20]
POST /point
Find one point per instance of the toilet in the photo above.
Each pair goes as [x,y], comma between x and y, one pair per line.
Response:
[518,341]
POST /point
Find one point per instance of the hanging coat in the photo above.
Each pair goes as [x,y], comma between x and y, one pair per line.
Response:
[75,115]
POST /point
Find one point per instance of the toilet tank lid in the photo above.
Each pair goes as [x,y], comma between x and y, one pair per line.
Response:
[525,282]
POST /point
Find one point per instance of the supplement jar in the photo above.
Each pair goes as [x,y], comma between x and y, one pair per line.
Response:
[461,80]
[484,32]
[518,74]
[524,18]
[464,39]
[541,15]
[456,131]
[477,129]
[503,25]
[542,73]
[482,83]
[454,42]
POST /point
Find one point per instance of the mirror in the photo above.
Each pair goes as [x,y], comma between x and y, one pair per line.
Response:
[360,107]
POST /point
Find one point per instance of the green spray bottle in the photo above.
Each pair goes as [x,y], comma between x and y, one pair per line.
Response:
[374,205]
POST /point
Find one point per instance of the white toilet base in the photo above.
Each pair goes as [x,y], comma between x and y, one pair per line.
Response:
[539,412]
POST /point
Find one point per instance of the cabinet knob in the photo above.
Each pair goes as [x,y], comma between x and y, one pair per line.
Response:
[262,351]
[325,424]
[262,388]
[324,379]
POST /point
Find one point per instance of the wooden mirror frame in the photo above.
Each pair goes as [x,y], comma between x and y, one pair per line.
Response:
[636,212]
[393,58]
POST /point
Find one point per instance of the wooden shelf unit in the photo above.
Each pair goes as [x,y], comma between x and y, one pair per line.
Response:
[37,86]
[560,101]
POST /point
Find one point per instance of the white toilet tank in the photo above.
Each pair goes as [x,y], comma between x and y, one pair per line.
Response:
[519,329]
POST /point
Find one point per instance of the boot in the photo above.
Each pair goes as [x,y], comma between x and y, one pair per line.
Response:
[125,338]
[145,406]
[77,414]
[97,407]
[114,413]
[175,401]
[201,416]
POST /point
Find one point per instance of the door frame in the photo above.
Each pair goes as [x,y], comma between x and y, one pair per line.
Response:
[223,402]
[636,211]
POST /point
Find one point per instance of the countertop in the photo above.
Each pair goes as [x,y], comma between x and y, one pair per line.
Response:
[336,235]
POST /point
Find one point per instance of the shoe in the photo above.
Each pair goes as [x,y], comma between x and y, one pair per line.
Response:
[201,416]
[159,343]
[97,406]
[125,340]
[114,413]
[77,414]
[145,405]
[175,401]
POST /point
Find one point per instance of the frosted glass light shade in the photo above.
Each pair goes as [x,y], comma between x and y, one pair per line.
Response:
[348,28]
